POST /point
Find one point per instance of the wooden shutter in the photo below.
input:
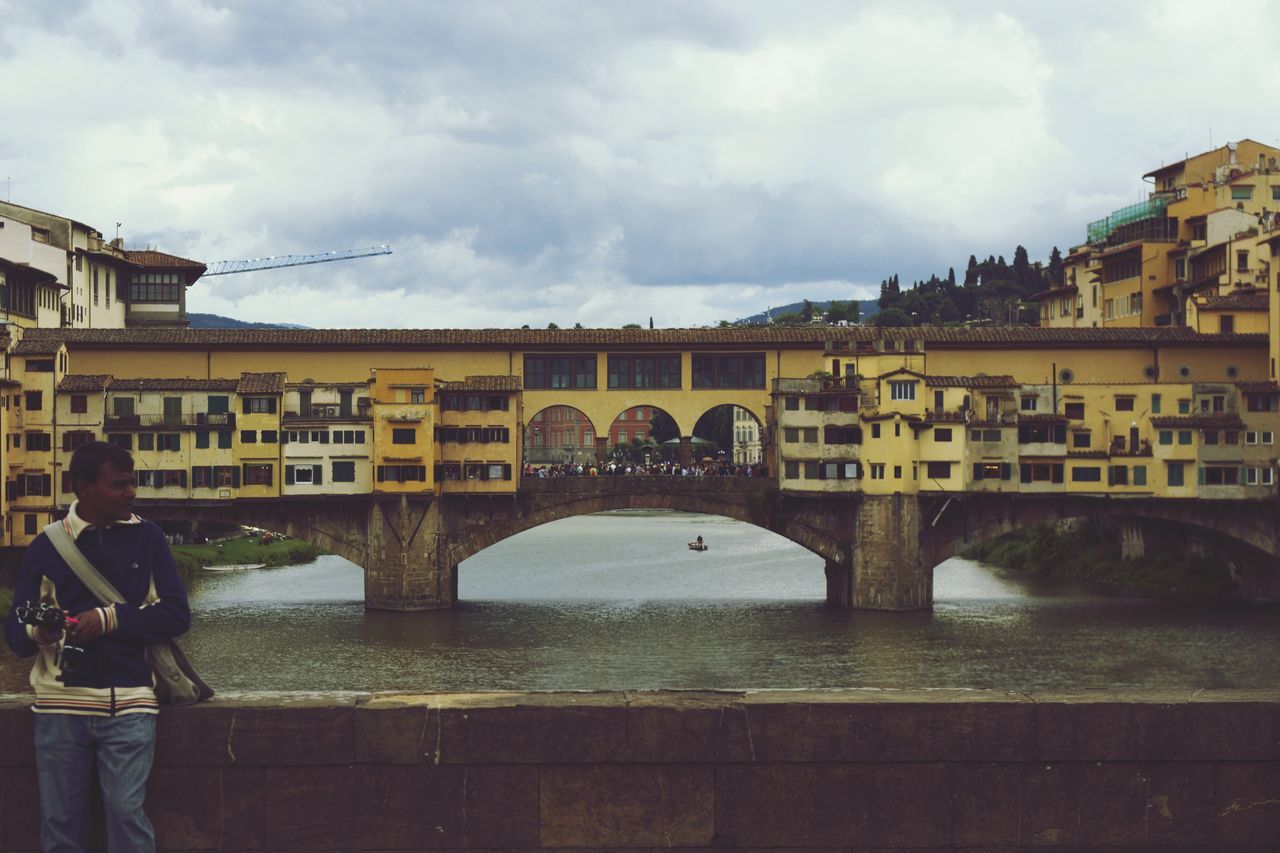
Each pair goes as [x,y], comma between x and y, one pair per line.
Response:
[317,474]
[977,470]
[288,475]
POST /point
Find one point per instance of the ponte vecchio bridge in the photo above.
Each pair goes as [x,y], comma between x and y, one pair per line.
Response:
[886,448]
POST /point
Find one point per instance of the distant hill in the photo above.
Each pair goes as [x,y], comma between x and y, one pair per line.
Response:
[213,321]
[868,306]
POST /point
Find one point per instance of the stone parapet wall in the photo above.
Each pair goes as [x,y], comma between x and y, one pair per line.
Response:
[850,769]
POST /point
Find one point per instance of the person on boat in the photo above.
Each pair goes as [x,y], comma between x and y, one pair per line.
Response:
[699,540]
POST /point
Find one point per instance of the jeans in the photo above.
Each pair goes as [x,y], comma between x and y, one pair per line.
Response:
[66,749]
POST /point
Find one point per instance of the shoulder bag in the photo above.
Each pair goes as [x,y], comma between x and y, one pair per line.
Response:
[176,680]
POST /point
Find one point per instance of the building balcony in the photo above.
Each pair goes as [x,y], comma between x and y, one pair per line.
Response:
[194,420]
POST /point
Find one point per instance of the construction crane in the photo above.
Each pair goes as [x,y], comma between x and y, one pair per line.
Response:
[228,267]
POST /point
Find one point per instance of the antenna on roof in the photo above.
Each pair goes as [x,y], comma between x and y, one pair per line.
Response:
[8,189]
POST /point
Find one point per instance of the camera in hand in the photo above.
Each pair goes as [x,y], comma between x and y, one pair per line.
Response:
[42,615]
[45,615]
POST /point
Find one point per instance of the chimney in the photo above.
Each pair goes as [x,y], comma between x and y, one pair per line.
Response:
[1231,152]
[118,243]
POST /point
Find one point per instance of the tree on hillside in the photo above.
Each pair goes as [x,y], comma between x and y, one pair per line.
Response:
[892,317]
[806,313]
[971,273]
[1056,271]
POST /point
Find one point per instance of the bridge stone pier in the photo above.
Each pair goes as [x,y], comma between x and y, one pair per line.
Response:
[879,550]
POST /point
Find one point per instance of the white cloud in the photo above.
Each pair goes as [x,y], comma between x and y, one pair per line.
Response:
[603,163]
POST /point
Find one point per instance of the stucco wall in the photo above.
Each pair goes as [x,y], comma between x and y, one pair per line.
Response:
[846,769]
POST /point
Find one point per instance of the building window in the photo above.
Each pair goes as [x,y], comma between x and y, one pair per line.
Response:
[169,441]
[937,470]
[1242,193]
[344,472]
[1028,404]
[636,371]
[121,439]
[1220,475]
[79,404]
[1086,474]
[270,436]
[942,434]
[738,370]
[1155,404]
[257,475]
[559,371]
[902,390]
[417,395]
[404,436]
[791,470]
[39,441]
[1073,411]
[402,473]
[877,470]
[1124,404]
[1081,438]
[34,400]
[792,404]
[155,287]
[248,436]
[1175,474]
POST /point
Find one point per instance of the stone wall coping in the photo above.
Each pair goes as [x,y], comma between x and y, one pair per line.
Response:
[262,700]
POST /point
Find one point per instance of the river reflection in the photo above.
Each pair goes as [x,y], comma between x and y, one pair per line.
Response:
[616,601]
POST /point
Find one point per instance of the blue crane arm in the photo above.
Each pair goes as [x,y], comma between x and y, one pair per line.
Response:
[228,267]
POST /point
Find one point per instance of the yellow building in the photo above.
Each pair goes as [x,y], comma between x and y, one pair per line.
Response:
[327,438]
[403,400]
[1143,261]
[258,455]
[479,435]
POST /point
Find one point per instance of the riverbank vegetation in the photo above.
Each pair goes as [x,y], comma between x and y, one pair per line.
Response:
[244,550]
[1081,552]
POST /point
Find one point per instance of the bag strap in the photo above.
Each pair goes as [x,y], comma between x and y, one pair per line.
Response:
[79,563]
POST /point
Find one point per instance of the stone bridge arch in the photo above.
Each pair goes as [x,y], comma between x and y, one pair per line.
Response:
[1246,532]
[476,526]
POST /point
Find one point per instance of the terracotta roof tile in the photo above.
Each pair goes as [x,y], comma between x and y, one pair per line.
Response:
[485,383]
[151,259]
[1219,421]
[168,384]
[734,337]
[1236,302]
[971,381]
[261,383]
[84,382]
[37,346]
[1259,387]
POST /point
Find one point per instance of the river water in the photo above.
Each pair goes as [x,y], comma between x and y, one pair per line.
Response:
[616,601]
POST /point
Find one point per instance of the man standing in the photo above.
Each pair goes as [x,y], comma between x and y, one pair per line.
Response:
[100,707]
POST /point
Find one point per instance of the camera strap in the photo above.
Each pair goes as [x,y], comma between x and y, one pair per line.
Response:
[79,563]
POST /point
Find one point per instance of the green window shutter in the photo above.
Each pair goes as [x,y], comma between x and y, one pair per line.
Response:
[235,478]
[224,439]
[288,475]
[1200,474]
[1026,472]
[1139,475]
[317,475]
[381,473]
[977,470]
[202,440]
[271,405]
[1056,472]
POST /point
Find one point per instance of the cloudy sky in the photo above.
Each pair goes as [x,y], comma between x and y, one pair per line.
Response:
[605,162]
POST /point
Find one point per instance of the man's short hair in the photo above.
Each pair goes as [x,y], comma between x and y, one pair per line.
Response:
[87,461]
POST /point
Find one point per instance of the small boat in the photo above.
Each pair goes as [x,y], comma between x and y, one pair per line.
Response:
[697,546]
[238,567]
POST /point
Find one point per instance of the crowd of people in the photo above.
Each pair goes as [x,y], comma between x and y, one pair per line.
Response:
[654,469]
